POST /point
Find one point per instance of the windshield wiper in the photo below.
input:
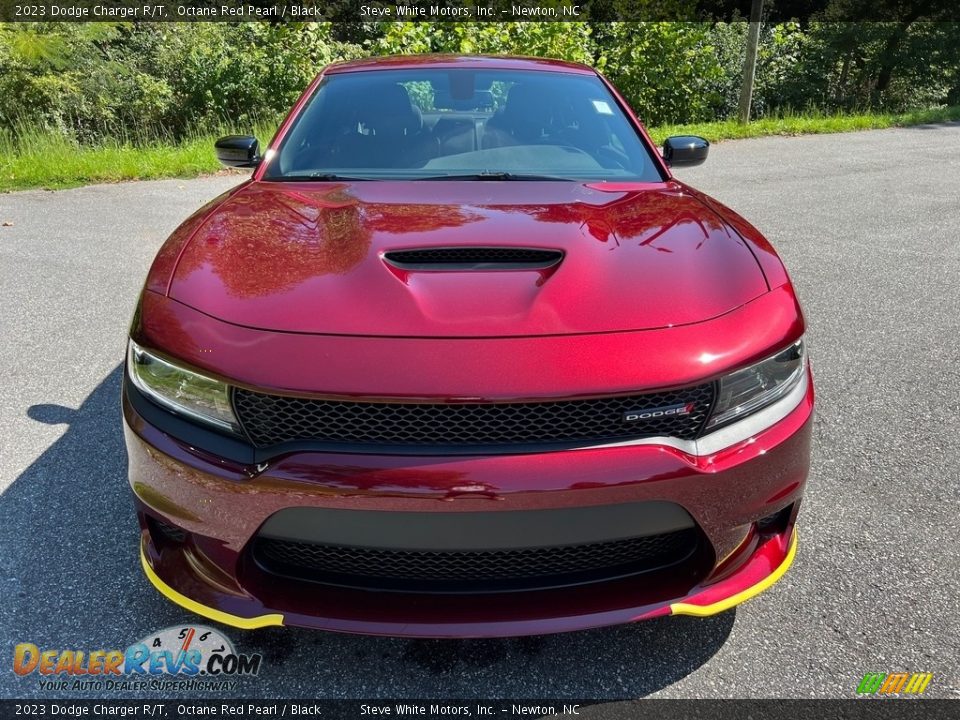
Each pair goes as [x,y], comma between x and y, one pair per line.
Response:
[334,177]
[319,177]
[495,176]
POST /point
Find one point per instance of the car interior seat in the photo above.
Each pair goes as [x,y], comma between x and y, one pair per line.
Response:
[525,118]
[455,135]
[388,133]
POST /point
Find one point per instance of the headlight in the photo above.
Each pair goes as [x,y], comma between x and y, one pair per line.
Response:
[757,386]
[183,391]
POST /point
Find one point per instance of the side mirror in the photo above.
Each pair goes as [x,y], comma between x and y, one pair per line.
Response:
[239,151]
[685,150]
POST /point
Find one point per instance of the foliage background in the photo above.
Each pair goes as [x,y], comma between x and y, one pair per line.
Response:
[141,81]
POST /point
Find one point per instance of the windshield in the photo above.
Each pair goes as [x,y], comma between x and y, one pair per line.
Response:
[439,124]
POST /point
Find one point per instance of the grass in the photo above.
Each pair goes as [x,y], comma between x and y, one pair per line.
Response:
[805,124]
[33,159]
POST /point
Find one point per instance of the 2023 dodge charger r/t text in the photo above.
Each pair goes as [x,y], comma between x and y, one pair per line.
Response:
[462,358]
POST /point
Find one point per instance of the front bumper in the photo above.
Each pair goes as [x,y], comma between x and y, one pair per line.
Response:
[222,506]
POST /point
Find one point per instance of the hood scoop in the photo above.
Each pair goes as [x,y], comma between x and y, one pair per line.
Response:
[473,258]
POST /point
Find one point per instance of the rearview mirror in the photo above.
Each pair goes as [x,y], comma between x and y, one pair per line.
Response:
[239,151]
[685,150]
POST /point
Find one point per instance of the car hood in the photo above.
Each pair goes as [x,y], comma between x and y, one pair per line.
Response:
[308,258]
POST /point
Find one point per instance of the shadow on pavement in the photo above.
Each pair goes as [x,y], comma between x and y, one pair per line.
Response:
[933,125]
[70,579]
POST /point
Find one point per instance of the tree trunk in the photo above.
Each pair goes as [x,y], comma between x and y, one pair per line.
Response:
[888,59]
[750,60]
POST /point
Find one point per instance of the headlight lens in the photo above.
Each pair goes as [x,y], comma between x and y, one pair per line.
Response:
[757,386]
[183,391]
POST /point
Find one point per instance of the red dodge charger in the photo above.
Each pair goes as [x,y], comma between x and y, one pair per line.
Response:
[463,358]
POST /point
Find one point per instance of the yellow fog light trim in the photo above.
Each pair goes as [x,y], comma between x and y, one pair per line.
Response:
[207,612]
[743,595]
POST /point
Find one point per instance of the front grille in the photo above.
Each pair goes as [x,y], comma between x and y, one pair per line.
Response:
[273,419]
[478,257]
[473,570]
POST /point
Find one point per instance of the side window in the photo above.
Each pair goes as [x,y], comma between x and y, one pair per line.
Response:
[421,94]
[499,90]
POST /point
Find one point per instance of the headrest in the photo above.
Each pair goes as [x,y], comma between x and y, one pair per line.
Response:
[527,111]
[528,100]
[390,112]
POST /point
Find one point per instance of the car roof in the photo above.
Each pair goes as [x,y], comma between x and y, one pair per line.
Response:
[498,62]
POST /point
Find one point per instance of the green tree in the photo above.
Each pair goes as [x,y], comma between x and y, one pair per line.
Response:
[74,77]
[568,40]
[669,72]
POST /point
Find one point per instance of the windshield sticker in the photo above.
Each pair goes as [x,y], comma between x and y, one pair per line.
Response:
[602,107]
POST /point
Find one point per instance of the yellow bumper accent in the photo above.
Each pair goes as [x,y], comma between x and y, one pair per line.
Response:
[207,612]
[743,595]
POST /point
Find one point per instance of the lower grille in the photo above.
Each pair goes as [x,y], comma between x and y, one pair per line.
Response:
[273,419]
[473,571]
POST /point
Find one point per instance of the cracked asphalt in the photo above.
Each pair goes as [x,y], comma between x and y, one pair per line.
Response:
[868,226]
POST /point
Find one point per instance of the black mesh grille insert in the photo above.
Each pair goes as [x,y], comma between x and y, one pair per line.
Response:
[273,419]
[474,571]
[480,257]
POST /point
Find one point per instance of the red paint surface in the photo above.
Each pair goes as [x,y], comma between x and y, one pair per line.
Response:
[307,257]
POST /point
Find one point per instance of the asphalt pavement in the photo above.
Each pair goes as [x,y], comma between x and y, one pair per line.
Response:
[868,226]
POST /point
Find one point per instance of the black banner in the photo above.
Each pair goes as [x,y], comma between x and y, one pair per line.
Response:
[854,709]
[472,10]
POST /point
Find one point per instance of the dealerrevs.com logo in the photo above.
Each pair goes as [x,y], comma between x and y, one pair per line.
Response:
[192,657]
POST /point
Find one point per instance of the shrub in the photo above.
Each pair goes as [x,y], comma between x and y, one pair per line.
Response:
[668,71]
[139,81]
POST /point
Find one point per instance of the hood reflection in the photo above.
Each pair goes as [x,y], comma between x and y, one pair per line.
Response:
[298,257]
